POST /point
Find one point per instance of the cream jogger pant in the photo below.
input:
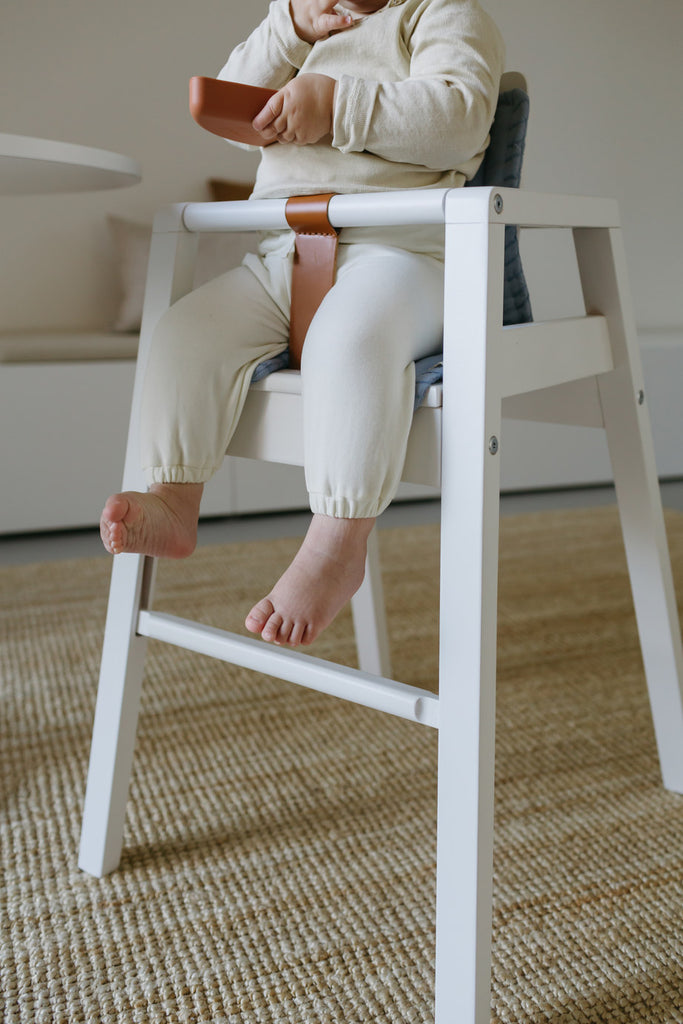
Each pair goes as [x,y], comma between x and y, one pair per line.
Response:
[384,311]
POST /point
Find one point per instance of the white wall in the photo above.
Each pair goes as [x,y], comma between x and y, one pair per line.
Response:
[604,78]
[112,74]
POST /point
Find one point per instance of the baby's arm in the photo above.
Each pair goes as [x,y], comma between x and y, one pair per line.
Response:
[302,110]
[440,115]
[278,47]
[271,55]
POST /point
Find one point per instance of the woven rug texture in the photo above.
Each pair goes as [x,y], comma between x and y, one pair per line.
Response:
[279,855]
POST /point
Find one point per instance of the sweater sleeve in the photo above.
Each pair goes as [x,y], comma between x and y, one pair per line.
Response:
[272,54]
[441,114]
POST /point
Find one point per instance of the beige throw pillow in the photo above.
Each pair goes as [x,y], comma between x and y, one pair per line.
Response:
[216,254]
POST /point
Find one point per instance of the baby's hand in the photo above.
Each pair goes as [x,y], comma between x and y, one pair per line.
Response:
[315,19]
[301,112]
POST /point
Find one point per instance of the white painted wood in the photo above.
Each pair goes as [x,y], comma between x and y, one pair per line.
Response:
[541,355]
[30,166]
[538,209]
[574,402]
[116,715]
[602,267]
[423,453]
[369,616]
[661,353]
[469,557]
[271,429]
[114,728]
[409,206]
[271,426]
[314,673]
[169,277]
[413,206]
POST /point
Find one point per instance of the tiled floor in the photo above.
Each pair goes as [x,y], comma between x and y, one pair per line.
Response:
[43,547]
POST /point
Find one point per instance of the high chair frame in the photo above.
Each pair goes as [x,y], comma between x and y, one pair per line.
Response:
[582,370]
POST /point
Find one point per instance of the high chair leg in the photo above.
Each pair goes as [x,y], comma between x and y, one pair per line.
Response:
[624,404]
[468,600]
[170,275]
[464,889]
[116,716]
[369,616]
[650,571]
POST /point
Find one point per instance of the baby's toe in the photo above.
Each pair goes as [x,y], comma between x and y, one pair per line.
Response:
[287,633]
[296,634]
[259,615]
[271,630]
[116,509]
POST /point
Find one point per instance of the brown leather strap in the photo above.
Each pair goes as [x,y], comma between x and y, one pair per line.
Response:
[314,264]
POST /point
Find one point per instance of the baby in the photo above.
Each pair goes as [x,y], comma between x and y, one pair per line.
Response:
[371,96]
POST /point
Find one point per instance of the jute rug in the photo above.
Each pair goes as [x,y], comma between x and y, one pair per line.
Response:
[279,850]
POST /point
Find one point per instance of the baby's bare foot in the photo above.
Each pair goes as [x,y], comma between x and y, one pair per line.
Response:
[161,522]
[326,572]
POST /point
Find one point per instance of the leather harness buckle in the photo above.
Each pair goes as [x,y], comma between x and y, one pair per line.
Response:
[314,266]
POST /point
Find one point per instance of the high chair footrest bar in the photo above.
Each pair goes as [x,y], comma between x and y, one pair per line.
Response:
[350,684]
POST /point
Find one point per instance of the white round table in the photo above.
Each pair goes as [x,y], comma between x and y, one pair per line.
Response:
[30,166]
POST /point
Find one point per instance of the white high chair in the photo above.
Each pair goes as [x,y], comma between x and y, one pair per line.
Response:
[584,370]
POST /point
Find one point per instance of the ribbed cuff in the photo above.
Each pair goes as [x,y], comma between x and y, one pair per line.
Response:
[354,103]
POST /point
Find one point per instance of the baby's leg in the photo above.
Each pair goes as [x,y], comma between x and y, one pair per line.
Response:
[384,311]
[203,354]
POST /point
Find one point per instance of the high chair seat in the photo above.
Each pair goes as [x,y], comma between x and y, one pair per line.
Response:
[582,370]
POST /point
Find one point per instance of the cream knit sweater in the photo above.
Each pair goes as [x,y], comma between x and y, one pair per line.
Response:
[417,89]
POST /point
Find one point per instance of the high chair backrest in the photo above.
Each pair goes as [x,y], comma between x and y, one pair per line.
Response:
[502,166]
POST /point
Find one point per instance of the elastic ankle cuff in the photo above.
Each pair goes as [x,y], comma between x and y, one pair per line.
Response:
[177,474]
[346,508]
